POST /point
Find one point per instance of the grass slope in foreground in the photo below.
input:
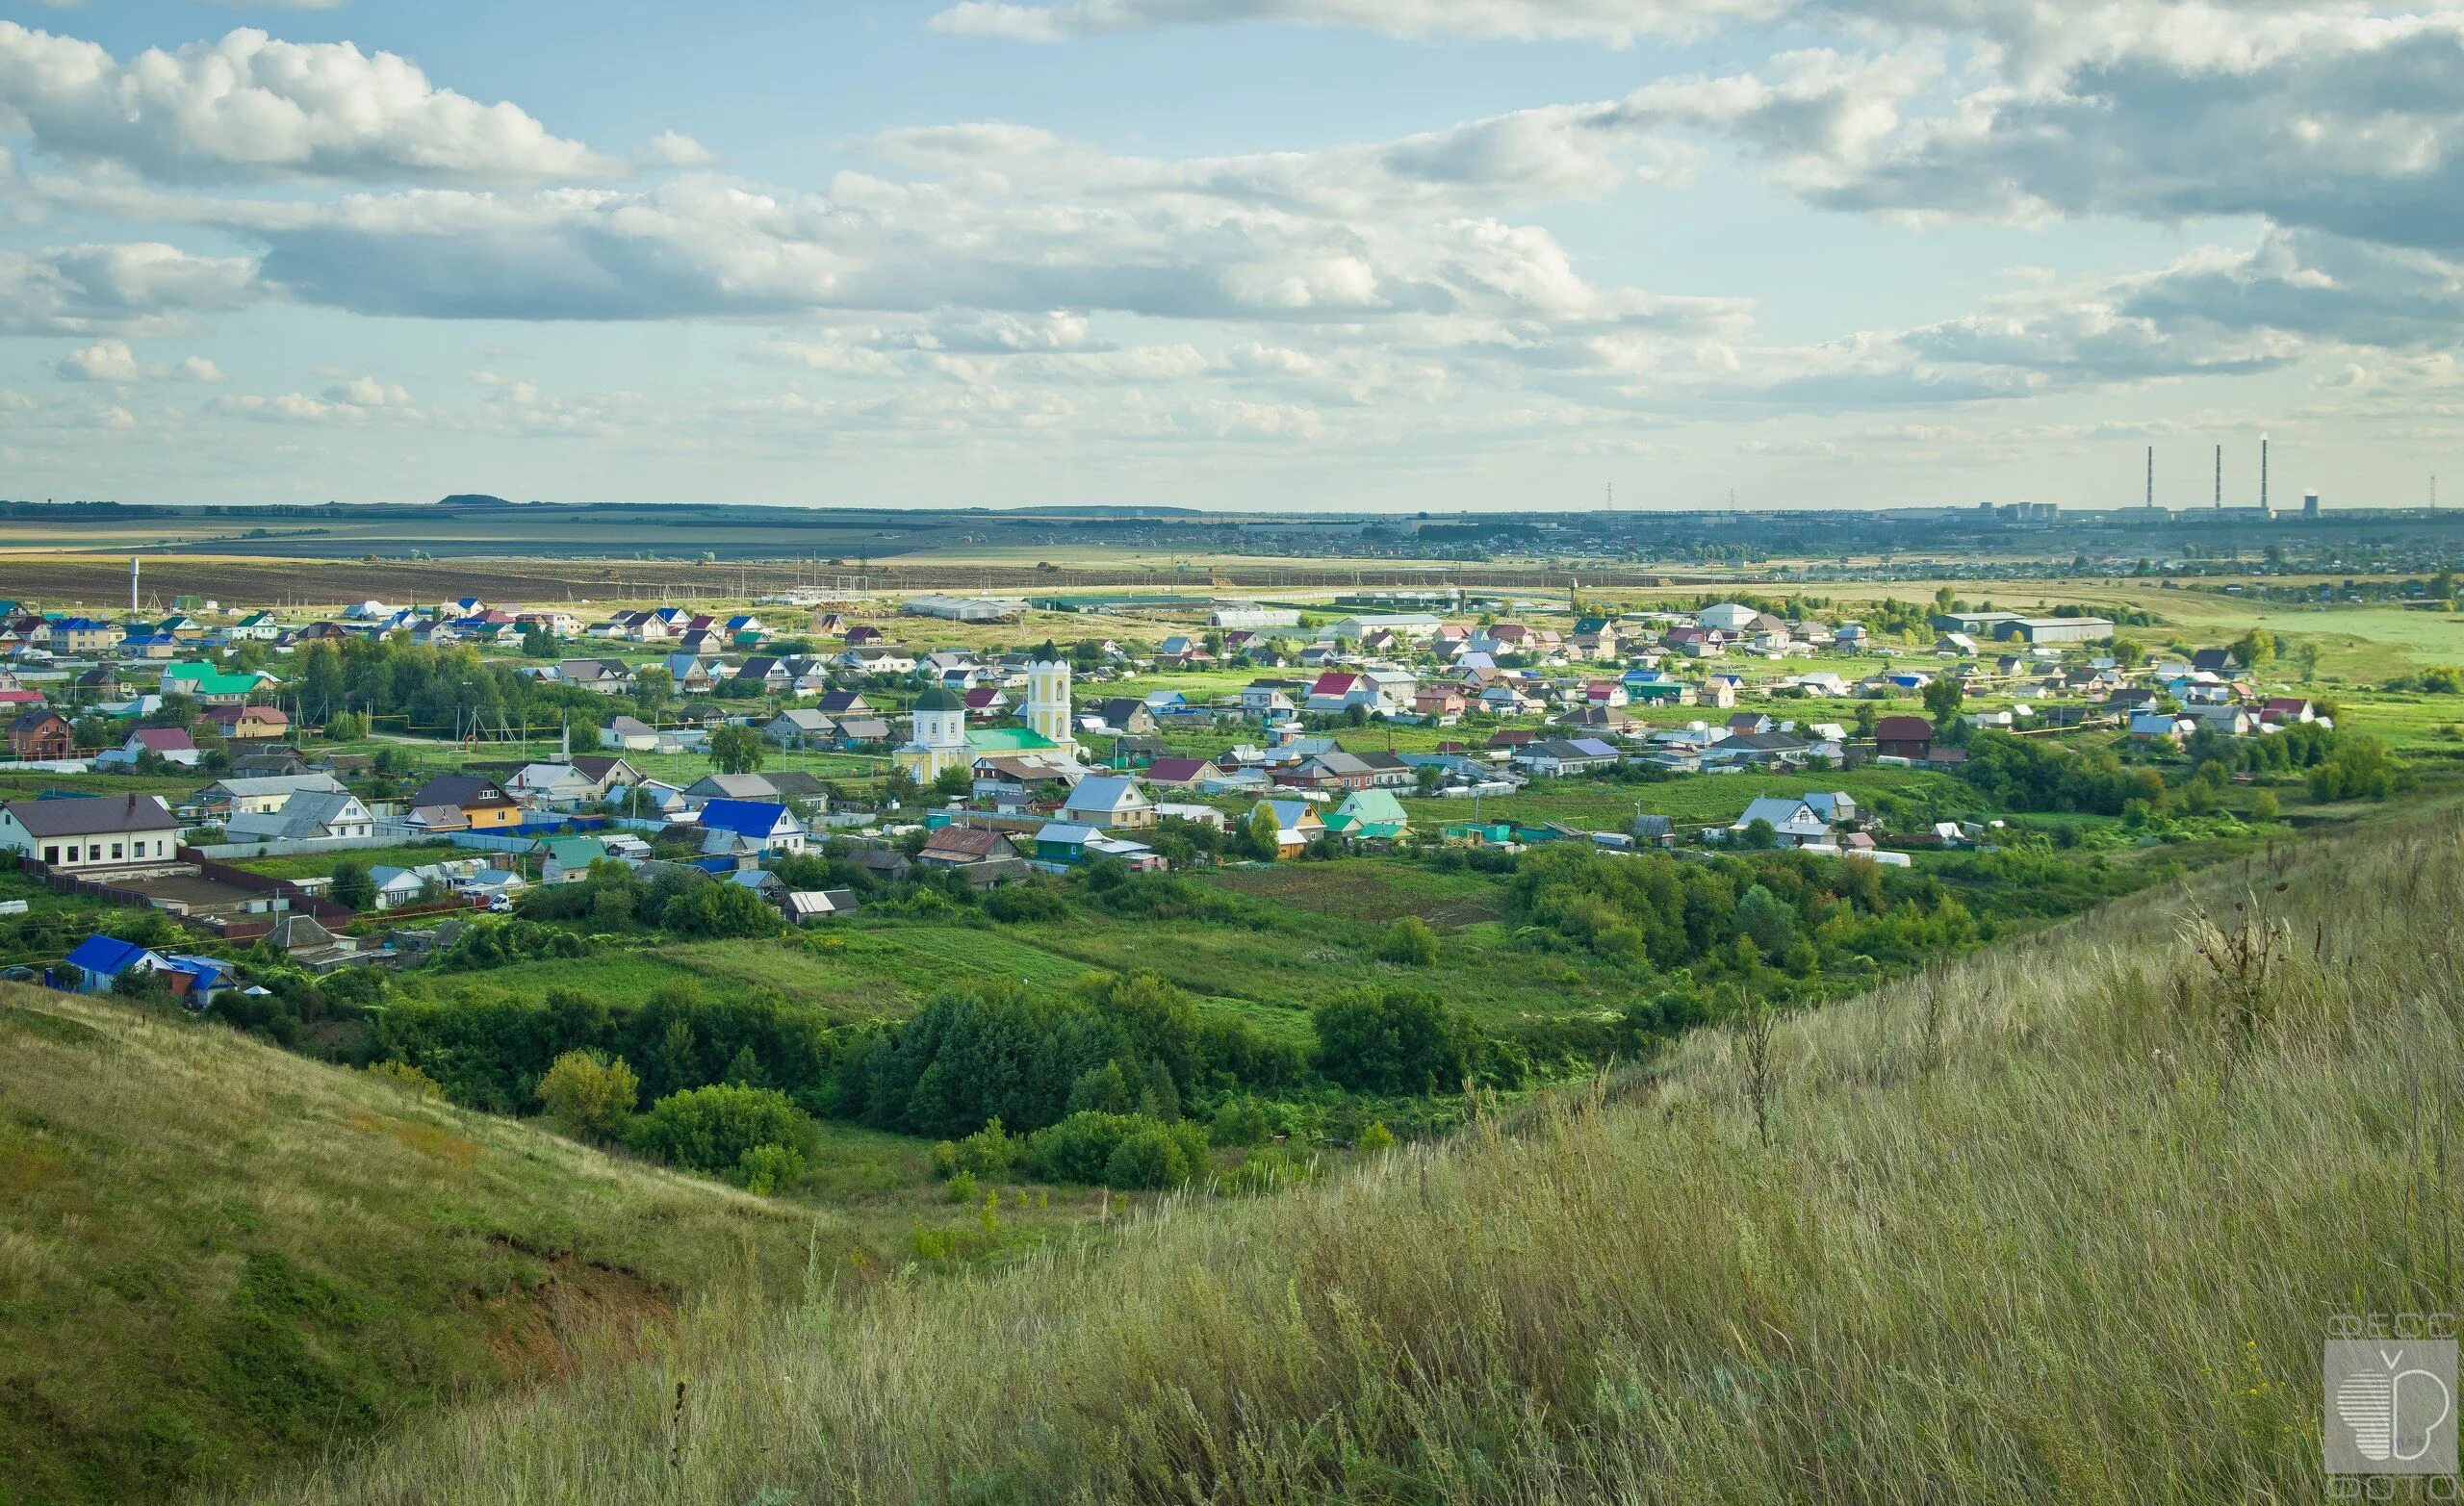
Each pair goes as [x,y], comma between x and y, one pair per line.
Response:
[215,1257]
[2065,1222]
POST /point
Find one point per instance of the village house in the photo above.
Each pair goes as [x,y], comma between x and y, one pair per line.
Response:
[89,831]
[765,826]
[96,964]
[878,659]
[259,793]
[567,859]
[170,744]
[1124,716]
[1369,815]
[1793,822]
[209,686]
[483,803]
[41,734]
[308,815]
[1908,737]
[800,726]
[1552,757]
[606,774]
[82,635]
[808,906]
[550,782]
[1296,825]
[249,723]
[1109,801]
[962,846]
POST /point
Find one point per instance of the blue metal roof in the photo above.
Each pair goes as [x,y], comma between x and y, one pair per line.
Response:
[105,954]
[755,818]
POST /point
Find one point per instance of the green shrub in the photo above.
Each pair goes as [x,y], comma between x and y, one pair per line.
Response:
[1149,1158]
[990,1152]
[1409,942]
[1014,904]
[1239,1121]
[719,910]
[353,886]
[407,1076]
[1402,1041]
[1269,1170]
[709,1129]
[764,1169]
[1086,1148]
[589,1096]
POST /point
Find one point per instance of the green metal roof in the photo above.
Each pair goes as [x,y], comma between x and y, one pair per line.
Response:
[1007,739]
[211,681]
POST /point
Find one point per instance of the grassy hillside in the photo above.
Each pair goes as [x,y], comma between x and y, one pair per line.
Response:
[215,1257]
[2065,1222]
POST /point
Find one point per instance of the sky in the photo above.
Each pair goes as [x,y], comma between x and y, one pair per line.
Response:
[1489,255]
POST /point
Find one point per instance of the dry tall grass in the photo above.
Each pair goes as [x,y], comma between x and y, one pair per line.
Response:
[2066,1222]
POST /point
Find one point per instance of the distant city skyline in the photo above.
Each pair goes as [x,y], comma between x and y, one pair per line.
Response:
[1249,255]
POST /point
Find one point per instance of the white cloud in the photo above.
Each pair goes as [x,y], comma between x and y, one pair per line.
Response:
[252,108]
[2030,31]
[360,400]
[113,361]
[366,392]
[674,149]
[1615,22]
[104,361]
[126,289]
[996,285]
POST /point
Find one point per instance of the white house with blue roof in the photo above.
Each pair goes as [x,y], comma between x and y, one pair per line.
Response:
[767,825]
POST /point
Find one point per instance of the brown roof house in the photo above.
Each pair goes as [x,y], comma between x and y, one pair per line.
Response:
[91,831]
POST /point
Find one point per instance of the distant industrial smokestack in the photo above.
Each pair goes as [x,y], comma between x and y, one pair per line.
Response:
[2263,472]
[2220,478]
[2151,475]
[132,585]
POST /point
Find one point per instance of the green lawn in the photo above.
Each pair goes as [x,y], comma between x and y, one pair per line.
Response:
[867,970]
[629,974]
[317,865]
[1286,959]
[1696,799]
[23,784]
[1368,888]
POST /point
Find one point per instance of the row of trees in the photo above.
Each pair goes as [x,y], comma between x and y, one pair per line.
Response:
[492,1049]
[1110,1044]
